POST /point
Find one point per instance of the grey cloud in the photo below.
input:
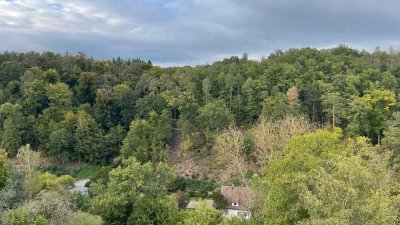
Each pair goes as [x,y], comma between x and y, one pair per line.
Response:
[178,32]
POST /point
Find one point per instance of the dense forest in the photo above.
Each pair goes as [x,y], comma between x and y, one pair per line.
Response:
[314,134]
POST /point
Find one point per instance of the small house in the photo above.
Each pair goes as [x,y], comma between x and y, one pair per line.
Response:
[238,201]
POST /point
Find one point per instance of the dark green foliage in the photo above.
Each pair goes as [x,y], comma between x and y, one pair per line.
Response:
[10,71]
[54,169]
[4,173]
[88,137]
[215,115]
[13,127]
[219,200]
[86,87]
[81,201]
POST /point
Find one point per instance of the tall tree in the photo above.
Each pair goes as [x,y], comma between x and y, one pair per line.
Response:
[88,138]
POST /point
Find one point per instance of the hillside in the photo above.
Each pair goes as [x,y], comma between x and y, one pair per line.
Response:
[310,132]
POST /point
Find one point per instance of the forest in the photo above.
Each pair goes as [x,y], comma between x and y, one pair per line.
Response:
[313,134]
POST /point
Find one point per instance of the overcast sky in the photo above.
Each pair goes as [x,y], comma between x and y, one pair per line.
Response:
[180,32]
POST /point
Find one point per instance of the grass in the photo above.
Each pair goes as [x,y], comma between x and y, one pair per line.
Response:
[85,172]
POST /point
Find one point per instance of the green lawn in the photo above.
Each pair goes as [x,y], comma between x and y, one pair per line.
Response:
[85,172]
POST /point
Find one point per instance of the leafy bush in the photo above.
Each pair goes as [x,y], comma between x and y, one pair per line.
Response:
[82,218]
[56,170]
[80,201]
[219,200]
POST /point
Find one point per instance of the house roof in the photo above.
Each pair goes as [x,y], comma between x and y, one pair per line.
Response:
[238,195]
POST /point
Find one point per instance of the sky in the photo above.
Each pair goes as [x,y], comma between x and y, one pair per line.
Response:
[191,32]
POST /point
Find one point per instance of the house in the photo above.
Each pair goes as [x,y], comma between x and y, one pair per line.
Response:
[80,186]
[193,205]
[238,201]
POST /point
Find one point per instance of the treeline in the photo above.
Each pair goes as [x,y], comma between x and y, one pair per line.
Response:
[78,108]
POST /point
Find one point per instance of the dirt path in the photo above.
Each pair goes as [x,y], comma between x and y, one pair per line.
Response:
[185,165]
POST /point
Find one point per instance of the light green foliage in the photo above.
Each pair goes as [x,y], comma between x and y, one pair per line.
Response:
[49,182]
[60,100]
[322,180]
[83,218]
[369,114]
[133,187]
[204,215]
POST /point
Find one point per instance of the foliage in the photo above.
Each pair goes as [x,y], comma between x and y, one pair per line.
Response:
[104,112]
[146,140]
[219,200]
[322,180]
[85,172]
[132,187]
[202,216]
[4,171]
[82,218]
[47,208]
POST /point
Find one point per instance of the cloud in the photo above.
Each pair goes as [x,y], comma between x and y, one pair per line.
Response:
[178,32]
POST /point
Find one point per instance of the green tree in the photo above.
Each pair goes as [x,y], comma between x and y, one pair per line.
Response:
[275,107]
[88,138]
[4,173]
[322,180]
[136,193]
[60,101]
[202,216]
[113,142]
[215,115]
[334,106]
[14,127]
[391,141]
[147,140]
[137,142]
[86,88]
[369,114]
[125,99]
[34,97]
[51,76]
